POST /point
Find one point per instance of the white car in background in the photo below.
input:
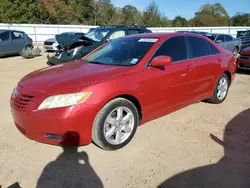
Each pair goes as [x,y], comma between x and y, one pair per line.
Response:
[51,43]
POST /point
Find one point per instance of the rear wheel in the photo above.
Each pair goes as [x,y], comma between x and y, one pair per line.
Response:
[115,124]
[221,90]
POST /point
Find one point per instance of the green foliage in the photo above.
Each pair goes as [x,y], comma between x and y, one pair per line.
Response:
[211,15]
[103,12]
[180,22]
[241,19]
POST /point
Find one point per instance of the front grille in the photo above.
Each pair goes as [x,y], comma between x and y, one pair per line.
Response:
[21,101]
[245,57]
[48,43]
[244,65]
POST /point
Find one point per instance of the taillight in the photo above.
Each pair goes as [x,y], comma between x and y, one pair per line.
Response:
[30,38]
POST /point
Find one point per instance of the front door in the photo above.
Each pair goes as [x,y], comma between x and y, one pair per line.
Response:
[170,86]
[5,43]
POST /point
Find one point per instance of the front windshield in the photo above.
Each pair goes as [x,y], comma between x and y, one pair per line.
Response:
[122,51]
[247,33]
[97,34]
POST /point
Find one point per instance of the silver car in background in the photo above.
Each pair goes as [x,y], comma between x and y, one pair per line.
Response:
[12,42]
[51,43]
[226,41]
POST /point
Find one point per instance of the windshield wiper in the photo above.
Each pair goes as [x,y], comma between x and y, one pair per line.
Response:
[94,62]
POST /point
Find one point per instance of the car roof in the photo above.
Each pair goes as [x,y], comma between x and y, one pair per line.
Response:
[164,35]
[120,26]
[2,30]
[217,34]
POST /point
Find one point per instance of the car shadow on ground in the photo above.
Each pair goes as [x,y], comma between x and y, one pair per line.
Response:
[243,72]
[232,170]
[70,169]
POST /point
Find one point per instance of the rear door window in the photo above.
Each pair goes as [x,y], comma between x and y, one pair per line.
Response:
[174,47]
[199,47]
[228,38]
[16,35]
[220,38]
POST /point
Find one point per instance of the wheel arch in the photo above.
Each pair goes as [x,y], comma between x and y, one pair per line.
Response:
[132,99]
[229,76]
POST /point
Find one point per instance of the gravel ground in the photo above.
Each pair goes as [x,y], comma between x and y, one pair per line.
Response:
[198,146]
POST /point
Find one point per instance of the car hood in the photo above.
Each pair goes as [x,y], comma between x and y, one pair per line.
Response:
[66,40]
[51,40]
[62,78]
[243,37]
[245,51]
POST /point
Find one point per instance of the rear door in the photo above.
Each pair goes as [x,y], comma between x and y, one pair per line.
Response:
[230,42]
[18,41]
[170,86]
[207,60]
[5,43]
[220,39]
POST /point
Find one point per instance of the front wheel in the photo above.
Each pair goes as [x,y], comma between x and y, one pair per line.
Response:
[115,124]
[221,90]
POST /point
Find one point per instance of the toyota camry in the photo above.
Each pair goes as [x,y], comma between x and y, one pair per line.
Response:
[126,82]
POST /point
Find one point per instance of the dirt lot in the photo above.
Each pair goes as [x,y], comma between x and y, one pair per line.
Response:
[161,149]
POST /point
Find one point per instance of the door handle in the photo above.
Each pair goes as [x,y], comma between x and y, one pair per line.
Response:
[189,68]
[183,75]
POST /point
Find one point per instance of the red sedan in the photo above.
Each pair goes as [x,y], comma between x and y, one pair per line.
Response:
[243,62]
[123,84]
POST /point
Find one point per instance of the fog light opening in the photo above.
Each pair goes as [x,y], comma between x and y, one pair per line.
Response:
[54,136]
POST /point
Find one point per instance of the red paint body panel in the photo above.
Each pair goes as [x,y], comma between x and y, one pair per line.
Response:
[158,90]
[243,62]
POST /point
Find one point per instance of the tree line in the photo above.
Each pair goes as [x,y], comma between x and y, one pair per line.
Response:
[103,12]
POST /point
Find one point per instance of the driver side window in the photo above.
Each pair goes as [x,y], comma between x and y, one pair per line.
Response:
[175,47]
[117,34]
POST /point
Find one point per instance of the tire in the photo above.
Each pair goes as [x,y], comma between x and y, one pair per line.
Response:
[219,98]
[106,121]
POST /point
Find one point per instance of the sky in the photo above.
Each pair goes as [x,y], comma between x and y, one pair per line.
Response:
[187,8]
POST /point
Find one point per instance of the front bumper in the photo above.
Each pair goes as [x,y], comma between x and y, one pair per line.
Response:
[60,126]
[243,64]
[50,47]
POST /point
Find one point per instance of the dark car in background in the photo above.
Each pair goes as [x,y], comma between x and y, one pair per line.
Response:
[243,62]
[92,40]
[12,42]
[245,39]
[226,41]
[52,45]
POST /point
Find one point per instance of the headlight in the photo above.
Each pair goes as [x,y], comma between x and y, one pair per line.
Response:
[64,100]
[55,44]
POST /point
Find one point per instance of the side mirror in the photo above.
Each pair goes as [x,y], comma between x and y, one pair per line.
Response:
[160,61]
[218,41]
